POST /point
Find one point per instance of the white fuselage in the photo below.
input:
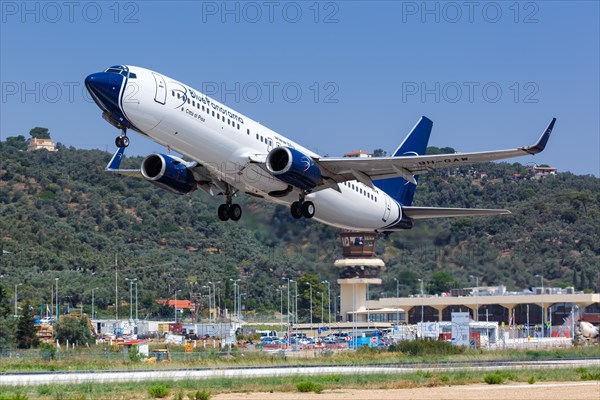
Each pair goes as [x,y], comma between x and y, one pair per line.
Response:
[225,142]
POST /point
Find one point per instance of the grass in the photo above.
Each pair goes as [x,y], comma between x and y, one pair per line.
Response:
[95,358]
[203,389]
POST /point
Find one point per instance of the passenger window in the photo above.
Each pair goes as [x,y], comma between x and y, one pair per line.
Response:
[193,103]
[238,126]
[178,96]
[213,113]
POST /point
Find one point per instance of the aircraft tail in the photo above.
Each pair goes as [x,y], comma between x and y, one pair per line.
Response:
[415,143]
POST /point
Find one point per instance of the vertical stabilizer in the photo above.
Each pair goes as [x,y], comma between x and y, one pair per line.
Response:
[414,144]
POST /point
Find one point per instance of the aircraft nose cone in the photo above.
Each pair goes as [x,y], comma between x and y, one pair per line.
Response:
[105,88]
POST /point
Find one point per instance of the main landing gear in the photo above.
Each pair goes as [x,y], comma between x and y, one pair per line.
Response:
[302,208]
[122,140]
[228,210]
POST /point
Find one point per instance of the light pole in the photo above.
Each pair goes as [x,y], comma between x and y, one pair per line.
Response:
[136,301]
[397,297]
[214,297]
[321,293]
[131,296]
[93,316]
[16,290]
[288,301]
[57,306]
[311,311]
[543,313]
[281,309]
[476,296]
[210,302]
[296,305]
[328,301]
[421,281]
[175,304]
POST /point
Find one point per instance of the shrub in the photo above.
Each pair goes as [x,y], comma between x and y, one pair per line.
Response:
[425,347]
[444,378]
[493,379]
[201,395]
[590,376]
[307,386]
[158,390]
[47,352]
[531,380]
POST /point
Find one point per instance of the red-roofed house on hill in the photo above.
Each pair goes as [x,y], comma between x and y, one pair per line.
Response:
[358,153]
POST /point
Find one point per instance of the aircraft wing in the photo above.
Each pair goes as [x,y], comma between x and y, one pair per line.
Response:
[435,212]
[367,169]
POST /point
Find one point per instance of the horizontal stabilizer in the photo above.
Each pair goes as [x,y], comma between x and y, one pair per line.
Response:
[115,162]
[436,212]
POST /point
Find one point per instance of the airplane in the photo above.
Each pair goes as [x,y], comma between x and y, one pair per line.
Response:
[230,153]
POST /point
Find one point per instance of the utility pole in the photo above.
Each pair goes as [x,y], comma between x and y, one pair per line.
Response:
[543,313]
[131,296]
[57,303]
[288,301]
[116,288]
[397,297]
[93,315]
[421,281]
[136,301]
[328,301]
[476,297]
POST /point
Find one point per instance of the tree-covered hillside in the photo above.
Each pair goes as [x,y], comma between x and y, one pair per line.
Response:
[62,217]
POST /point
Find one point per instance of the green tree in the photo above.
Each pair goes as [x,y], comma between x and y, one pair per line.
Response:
[441,281]
[40,133]
[18,142]
[73,329]
[6,321]
[25,336]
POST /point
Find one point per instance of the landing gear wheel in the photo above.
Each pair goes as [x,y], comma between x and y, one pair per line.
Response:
[308,209]
[296,210]
[235,212]
[122,141]
[223,212]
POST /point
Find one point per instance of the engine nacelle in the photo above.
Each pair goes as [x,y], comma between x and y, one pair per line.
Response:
[169,173]
[294,168]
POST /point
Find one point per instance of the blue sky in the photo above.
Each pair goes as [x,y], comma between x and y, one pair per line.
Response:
[334,76]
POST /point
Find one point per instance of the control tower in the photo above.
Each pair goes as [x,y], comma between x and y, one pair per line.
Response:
[357,269]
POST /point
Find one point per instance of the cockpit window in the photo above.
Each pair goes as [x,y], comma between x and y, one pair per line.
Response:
[121,71]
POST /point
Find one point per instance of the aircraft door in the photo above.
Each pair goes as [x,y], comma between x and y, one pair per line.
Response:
[388,208]
[161,89]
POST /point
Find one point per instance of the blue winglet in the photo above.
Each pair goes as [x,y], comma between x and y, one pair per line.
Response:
[115,161]
[541,143]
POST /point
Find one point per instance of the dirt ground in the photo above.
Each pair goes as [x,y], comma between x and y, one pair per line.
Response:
[537,391]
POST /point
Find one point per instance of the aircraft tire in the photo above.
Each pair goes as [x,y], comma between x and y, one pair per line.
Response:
[308,209]
[223,212]
[122,141]
[235,212]
[296,210]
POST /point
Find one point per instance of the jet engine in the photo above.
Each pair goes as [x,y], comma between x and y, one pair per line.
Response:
[294,168]
[169,173]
